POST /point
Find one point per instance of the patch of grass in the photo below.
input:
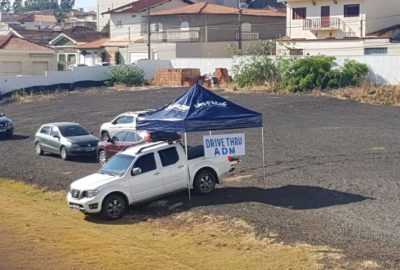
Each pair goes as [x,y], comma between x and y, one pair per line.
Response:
[41,232]
[382,95]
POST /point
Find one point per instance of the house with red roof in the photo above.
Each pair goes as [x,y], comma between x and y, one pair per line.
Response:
[19,56]
[180,28]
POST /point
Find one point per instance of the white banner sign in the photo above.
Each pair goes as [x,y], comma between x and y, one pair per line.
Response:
[223,145]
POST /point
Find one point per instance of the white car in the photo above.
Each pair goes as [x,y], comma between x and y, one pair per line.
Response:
[123,121]
[145,172]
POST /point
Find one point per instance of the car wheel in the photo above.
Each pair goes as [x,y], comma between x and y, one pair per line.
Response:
[105,135]
[204,182]
[114,207]
[38,149]
[10,133]
[63,153]
[103,157]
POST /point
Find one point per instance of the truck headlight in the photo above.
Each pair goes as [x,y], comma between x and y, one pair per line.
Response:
[90,193]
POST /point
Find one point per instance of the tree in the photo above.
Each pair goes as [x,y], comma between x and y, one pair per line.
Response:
[17,6]
[60,17]
[5,5]
[67,5]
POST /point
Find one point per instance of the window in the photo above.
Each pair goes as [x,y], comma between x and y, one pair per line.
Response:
[119,24]
[157,27]
[352,10]
[184,26]
[168,156]
[299,13]
[120,120]
[45,130]
[296,52]
[133,137]
[246,27]
[128,119]
[375,51]
[146,163]
[54,132]
[119,136]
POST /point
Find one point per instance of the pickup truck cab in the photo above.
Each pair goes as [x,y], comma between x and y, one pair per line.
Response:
[144,172]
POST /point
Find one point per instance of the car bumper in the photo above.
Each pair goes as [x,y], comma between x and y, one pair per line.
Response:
[6,130]
[82,151]
[86,205]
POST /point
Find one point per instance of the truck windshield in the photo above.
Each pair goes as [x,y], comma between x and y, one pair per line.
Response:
[117,165]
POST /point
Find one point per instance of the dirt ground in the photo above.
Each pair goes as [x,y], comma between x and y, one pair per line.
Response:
[332,166]
[40,232]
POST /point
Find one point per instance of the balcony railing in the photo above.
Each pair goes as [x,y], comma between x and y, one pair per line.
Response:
[248,36]
[327,23]
[176,36]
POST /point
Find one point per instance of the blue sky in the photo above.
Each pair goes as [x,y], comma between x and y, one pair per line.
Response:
[91,4]
[85,4]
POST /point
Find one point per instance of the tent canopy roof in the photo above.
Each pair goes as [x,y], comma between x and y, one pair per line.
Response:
[199,110]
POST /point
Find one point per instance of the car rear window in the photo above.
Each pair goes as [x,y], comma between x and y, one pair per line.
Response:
[45,130]
[133,137]
[168,156]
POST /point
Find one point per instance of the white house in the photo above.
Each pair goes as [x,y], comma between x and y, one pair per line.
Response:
[341,27]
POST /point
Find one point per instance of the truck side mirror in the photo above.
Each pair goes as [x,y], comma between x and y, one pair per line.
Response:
[136,171]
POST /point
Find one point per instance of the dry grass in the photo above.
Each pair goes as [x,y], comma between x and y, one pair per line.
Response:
[382,95]
[38,231]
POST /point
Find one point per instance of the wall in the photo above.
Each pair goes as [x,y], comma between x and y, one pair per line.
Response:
[28,61]
[105,5]
[350,26]
[382,14]
[384,70]
[53,78]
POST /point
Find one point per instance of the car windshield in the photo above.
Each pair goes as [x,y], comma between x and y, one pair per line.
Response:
[117,165]
[72,131]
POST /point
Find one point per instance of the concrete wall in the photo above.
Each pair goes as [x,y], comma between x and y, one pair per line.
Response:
[384,70]
[381,14]
[19,62]
[53,78]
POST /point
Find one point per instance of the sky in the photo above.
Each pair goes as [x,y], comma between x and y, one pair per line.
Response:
[87,4]
[91,4]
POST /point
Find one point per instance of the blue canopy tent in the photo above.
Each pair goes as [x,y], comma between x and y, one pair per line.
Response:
[201,110]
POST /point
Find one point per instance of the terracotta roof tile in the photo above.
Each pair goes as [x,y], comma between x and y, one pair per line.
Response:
[140,5]
[11,42]
[97,44]
[208,8]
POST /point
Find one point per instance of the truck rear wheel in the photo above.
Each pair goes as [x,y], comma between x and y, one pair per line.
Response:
[204,182]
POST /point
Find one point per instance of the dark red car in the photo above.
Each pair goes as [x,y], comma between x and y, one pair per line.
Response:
[127,138]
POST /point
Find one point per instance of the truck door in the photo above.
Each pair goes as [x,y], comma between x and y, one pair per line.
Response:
[175,169]
[149,183]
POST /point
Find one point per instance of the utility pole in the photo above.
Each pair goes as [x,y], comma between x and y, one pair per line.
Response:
[240,27]
[148,31]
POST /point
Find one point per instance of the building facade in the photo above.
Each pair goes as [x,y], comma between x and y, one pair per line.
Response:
[339,27]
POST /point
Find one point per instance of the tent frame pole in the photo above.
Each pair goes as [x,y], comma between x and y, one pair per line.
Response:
[187,162]
[263,154]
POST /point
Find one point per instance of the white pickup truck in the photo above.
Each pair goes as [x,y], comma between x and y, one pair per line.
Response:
[144,172]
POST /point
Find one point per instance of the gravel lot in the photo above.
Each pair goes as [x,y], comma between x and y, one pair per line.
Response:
[332,175]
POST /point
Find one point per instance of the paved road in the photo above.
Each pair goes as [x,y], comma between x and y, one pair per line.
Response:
[332,174]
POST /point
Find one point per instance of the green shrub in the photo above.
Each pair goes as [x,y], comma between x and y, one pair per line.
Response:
[256,71]
[128,75]
[302,74]
[319,72]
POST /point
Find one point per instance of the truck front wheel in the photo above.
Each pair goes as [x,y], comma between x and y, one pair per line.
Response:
[204,182]
[114,207]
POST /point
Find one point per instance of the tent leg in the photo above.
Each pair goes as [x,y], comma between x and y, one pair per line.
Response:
[263,154]
[187,162]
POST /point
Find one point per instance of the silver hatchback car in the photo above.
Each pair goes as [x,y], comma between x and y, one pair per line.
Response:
[65,139]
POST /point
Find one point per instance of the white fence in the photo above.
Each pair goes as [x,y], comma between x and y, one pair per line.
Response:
[384,70]
[79,74]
